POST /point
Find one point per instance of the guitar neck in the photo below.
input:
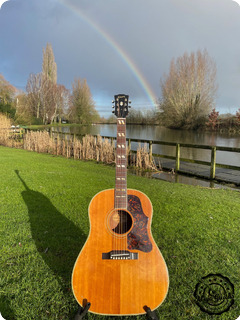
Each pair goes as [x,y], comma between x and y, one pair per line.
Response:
[120,194]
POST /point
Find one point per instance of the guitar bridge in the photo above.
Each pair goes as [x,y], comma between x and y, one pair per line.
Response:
[120,255]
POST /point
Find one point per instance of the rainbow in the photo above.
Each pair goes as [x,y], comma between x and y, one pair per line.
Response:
[115,46]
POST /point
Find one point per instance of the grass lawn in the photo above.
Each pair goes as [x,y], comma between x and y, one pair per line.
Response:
[44,223]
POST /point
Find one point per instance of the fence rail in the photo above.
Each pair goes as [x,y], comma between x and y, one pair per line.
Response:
[178,159]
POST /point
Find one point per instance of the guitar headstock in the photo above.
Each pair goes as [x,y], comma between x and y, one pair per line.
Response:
[121,105]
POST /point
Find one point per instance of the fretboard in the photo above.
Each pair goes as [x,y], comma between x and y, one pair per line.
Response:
[120,194]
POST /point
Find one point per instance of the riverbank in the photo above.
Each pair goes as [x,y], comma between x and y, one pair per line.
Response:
[44,223]
[204,160]
[227,124]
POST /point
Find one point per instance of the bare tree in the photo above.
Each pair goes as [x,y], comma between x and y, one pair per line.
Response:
[61,102]
[24,114]
[42,100]
[82,109]
[34,87]
[188,91]
[46,100]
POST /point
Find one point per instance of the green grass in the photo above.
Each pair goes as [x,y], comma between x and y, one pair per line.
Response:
[44,223]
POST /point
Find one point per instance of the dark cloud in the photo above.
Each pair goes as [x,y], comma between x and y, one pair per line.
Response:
[86,36]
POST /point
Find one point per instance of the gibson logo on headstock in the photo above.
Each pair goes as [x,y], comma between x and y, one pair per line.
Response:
[121,105]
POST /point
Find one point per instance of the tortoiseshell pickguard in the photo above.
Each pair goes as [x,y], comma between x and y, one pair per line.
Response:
[137,238]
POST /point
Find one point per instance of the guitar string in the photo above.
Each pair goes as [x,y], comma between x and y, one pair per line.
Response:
[124,183]
[123,174]
[120,242]
[119,186]
[120,199]
[124,162]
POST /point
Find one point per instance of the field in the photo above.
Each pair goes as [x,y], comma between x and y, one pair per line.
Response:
[44,223]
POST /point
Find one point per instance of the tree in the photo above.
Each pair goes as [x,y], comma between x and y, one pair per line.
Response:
[61,102]
[188,91]
[238,116]
[213,119]
[34,88]
[49,66]
[82,109]
[7,93]
[46,100]
[49,88]
[24,114]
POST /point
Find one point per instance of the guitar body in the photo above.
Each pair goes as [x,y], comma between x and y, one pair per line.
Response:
[120,269]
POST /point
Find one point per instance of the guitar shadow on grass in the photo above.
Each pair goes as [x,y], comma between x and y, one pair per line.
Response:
[5,310]
[57,239]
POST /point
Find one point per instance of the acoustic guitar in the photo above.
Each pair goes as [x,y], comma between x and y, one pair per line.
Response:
[120,270]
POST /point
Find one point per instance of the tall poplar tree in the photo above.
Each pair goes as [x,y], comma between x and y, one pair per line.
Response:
[49,66]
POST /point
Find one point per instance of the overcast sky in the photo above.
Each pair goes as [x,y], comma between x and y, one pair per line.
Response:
[121,46]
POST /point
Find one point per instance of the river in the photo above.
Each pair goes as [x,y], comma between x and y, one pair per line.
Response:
[152,132]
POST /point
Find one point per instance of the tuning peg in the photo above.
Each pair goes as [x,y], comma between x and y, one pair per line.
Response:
[129,106]
[113,107]
[129,102]
[113,111]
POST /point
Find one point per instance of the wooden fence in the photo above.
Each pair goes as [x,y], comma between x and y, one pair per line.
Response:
[177,158]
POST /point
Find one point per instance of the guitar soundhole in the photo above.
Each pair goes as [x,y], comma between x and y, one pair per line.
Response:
[120,221]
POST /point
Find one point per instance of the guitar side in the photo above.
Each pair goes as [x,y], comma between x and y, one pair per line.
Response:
[119,287]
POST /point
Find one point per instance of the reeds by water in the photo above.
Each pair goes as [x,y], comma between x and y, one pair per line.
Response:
[7,138]
[87,148]
[94,148]
[5,125]
[39,141]
[143,160]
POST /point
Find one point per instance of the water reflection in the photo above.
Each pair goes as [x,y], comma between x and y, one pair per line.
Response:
[170,135]
[180,178]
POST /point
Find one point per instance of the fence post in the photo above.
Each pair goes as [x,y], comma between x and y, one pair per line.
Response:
[213,163]
[150,150]
[129,145]
[177,166]
[58,139]
[129,151]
